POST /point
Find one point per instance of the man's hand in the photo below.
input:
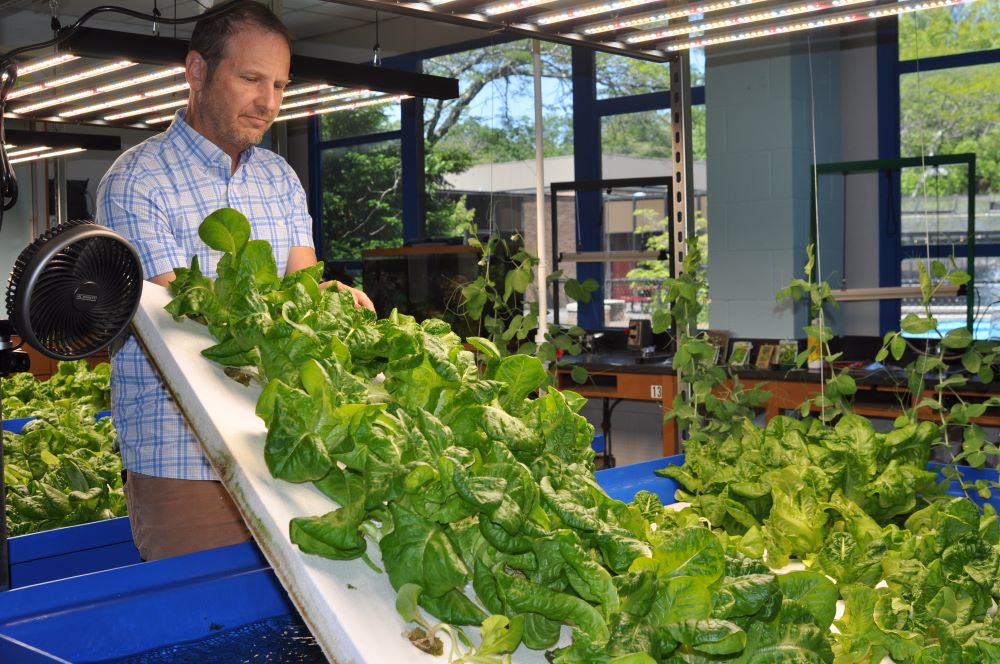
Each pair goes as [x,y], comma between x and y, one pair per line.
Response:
[360,299]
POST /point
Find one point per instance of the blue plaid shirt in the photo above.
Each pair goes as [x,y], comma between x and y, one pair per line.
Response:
[156,195]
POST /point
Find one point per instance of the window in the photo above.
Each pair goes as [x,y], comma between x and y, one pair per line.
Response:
[359,122]
[361,198]
[482,148]
[638,145]
[621,76]
[359,202]
[942,112]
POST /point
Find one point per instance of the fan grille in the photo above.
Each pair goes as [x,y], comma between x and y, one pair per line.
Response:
[74,290]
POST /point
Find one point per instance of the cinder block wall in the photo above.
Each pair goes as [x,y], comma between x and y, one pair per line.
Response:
[760,104]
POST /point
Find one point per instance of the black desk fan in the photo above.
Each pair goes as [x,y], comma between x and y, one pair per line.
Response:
[71,293]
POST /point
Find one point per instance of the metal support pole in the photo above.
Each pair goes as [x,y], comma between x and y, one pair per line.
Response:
[543,268]
[682,185]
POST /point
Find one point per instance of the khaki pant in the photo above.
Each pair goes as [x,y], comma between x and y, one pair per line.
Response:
[171,517]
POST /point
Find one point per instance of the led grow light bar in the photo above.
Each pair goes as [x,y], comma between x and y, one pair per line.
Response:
[840,18]
[145,109]
[298,91]
[658,17]
[123,101]
[324,99]
[110,87]
[45,63]
[27,151]
[48,155]
[75,77]
[740,19]
[342,107]
[589,10]
[513,6]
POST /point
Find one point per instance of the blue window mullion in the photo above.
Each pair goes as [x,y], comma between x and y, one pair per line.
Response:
[889,194]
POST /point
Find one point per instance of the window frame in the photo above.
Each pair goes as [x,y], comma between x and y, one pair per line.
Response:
[890,70]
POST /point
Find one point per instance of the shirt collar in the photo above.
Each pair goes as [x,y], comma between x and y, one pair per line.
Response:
[202,150]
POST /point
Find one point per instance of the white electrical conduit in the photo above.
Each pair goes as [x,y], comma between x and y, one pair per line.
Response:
[540,250]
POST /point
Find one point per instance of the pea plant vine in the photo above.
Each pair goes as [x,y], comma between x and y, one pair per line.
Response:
[497,298]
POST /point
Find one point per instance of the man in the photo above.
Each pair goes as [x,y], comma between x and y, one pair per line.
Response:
[156,195]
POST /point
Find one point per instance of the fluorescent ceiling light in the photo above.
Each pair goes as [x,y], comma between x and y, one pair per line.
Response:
[739,19]
[21,153]
[75,77]
[48,155]
[123,101]
[839,18]
[110,87]
[305,89]
[660,16]
[324,99]
[44,63]
[145,109]
[289,93]
[58,140]
[589,10]
[91,42]
[341,107]
[513,6]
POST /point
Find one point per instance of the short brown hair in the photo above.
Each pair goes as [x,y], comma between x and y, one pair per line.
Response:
[211,35]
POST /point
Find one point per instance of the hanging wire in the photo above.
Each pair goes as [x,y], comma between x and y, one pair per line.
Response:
[819,268]
[377,48]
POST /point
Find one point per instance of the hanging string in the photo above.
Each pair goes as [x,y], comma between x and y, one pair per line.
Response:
[819,268]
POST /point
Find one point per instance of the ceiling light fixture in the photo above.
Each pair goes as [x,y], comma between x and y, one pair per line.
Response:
[95,43]
[123,101]
[75,77]
[739,19]
[840,18]
[32,66]
[57,140]
[145,109]
[325,98]
[111,87]
[342,107]
[21,153]
[507,7]
[660,16]
[304,89]
[48,155]
[589,10]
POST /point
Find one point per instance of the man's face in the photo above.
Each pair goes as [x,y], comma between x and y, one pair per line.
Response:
[239,102]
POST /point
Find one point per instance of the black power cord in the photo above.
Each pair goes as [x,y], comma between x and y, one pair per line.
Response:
[8,73]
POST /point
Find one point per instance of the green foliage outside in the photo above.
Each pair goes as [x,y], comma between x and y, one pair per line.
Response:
[362,188]
[63,469]
[955,110]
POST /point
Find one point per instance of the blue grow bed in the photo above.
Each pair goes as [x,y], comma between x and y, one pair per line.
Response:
[114,606]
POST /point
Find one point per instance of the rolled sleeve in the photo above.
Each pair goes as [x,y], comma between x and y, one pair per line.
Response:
[134,211]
